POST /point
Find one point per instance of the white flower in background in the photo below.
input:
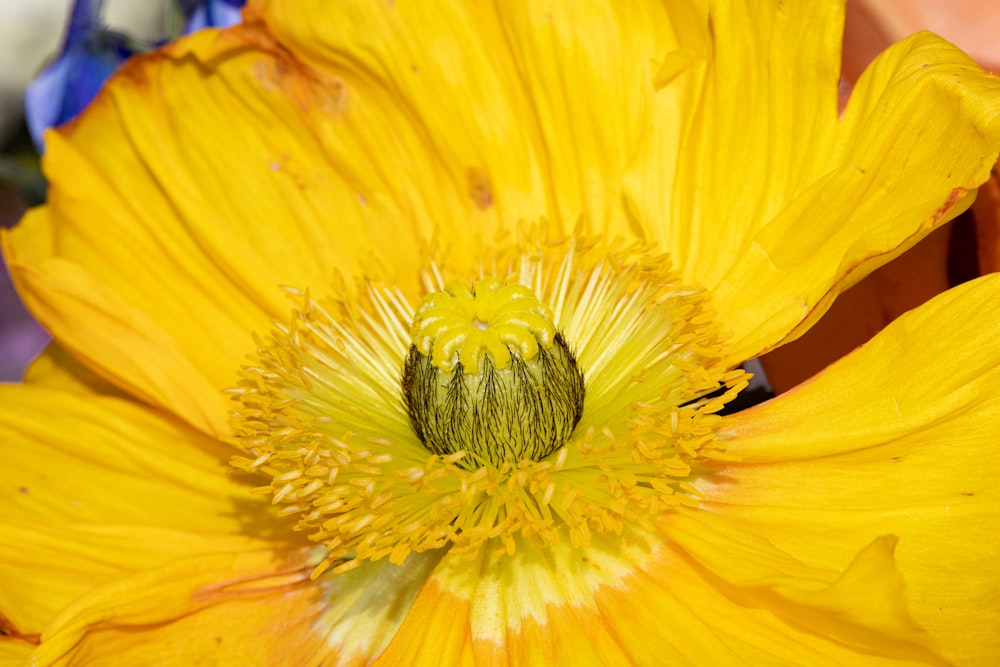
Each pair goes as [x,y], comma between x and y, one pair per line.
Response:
[32,32]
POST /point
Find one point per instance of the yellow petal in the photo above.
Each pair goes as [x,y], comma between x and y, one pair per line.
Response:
[252,607]
[646,600]
[56,368]
[542,103]
[13,650]
[187,246]
[749,132]
[673,610]
[779,207]
[45,567]
[244,606]
[85,458]
[921,131]
[861,603]
[898,437]
[533,608]
[455,172]
[119,342]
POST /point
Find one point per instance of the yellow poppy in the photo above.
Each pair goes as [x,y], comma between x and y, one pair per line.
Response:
[399,333]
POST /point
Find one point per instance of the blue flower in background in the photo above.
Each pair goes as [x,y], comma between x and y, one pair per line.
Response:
[92,52]
[212,14]
[89,56]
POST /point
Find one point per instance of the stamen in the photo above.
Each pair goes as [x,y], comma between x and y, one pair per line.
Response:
[319,410]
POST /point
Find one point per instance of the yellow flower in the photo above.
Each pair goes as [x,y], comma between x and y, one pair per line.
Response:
[525,250]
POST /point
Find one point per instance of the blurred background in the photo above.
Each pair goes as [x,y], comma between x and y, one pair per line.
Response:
[60,51]
[31,35]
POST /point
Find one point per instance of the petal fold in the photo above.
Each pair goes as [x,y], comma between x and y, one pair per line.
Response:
[47,567]
[921,132]
[642,600]
[898,438]
[863,606]
[238,608]
[245,606]
[750,131]
[118,342]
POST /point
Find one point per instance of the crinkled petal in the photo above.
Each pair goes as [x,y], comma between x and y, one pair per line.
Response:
[239,608]
[643,600]
[145,236]
[779,207]
[860,603]
[750,132]
[45,567]
[900,438]
[921,131]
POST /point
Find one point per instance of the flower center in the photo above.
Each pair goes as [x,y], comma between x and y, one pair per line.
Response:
[482,442]
[488,374]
